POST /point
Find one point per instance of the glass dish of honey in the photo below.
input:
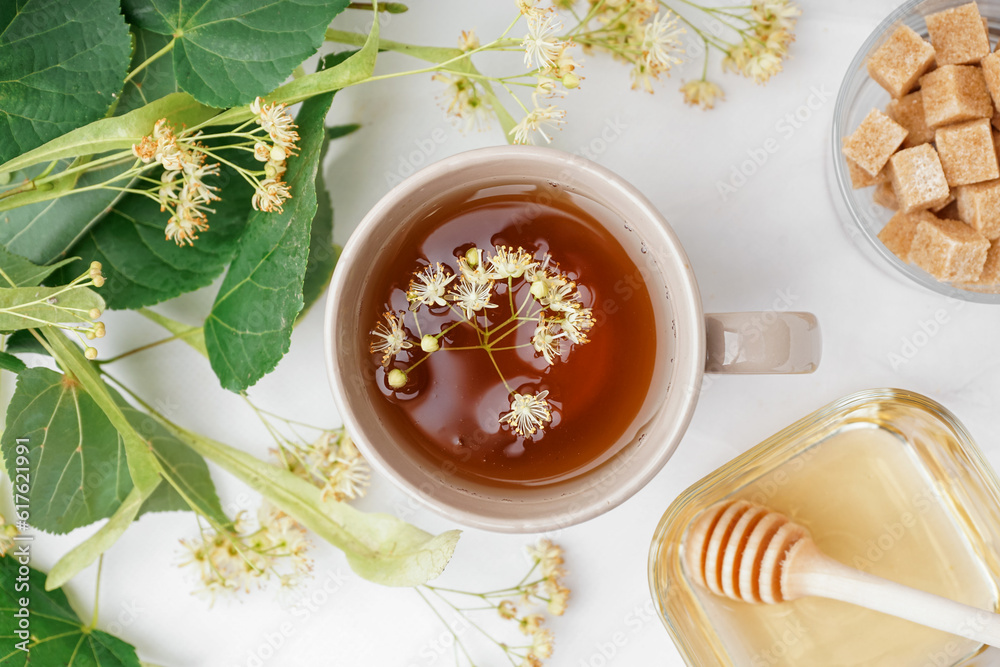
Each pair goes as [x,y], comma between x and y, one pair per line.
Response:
[887,481]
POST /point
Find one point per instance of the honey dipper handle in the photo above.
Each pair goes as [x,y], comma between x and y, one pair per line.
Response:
[808,571]
[768,342]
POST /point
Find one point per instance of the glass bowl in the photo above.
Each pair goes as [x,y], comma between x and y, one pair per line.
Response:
[858,95]
[887,481]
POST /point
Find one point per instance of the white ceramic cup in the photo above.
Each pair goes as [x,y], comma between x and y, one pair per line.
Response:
[689,343]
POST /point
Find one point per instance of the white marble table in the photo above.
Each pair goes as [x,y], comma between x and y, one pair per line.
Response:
[776,238]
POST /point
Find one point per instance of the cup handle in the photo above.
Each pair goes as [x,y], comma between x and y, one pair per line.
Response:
[765,342]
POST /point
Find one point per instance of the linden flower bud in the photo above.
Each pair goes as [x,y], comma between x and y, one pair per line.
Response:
[98,281]
[429,344]
[99,330]
[397,378]
[278,154]
[571,81]
[94,313]
[95,266]
[472,257]
[538,289]
[90,353]
[91,335]
[261,151]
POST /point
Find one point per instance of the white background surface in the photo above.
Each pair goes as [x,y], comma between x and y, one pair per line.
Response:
[778,237]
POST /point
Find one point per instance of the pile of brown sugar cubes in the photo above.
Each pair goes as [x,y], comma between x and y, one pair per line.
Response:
[932,155]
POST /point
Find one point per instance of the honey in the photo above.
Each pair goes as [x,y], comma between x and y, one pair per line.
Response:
[453,398]
[869,505]
[886,481]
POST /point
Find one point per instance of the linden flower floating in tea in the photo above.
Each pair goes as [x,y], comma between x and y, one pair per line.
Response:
[447,299]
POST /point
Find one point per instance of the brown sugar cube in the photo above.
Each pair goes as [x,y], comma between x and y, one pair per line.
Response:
[900,61]
[967,152]
[958,35]
[898,233]
[979,207]
[861,178]
[955,93]
[908,111]
[949,250]
[996,120]
[875,140]
[918,179]
[947,202]
[990,277]
[885,196]
[991,74]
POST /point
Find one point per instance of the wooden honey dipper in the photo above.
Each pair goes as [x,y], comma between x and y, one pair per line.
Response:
[747,552]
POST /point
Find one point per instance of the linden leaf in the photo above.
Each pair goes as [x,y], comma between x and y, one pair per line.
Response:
[155,80]
[20,272]
[44,225]
[31,307]
[77,457]
[141,267]
[61,65]
[121,132]
[227,53]
[250,326]
[9,362]
[57,636]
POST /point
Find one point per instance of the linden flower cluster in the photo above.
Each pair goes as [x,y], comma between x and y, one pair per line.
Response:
[332,462]
[541,590]
[765,40]
[182,189]
[646,34]
[552,306]
[636,32]
[233,559]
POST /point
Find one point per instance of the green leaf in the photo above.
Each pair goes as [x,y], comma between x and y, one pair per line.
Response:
[61,64]
[118,133]
[189,483]
[338,131]
[323,254]
[250,326]
[20,272]
[227,53]
[379,547]
[43,225]
[76,457]
[30,307]
[156,80]
[9,362]
[121,132]
[355,69]
[142,464]
[141,267]
[22,342]
[188,486]
[57,636]
[193,336]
